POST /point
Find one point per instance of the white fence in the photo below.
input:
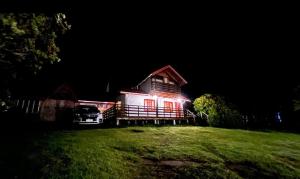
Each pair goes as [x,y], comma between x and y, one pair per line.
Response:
[28,106]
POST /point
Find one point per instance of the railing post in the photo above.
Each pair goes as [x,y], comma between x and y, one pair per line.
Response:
[147,111]
[128,111]
[138,111]
[156,101]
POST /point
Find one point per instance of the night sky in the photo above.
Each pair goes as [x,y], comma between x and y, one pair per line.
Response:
[248,58]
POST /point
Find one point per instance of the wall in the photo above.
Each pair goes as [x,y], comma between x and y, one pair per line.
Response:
[146,86]
[135,99]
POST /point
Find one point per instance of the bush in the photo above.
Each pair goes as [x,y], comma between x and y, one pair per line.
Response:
[220,113]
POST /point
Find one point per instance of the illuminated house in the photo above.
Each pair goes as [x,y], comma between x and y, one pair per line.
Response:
[157,98]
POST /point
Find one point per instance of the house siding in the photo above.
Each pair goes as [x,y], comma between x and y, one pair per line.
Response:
[136,99]
[146,86]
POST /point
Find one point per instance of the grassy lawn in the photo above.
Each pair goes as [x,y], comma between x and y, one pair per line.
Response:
[150,152]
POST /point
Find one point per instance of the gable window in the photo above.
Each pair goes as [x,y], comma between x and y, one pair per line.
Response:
[166,80]
[168,106]
[149,104]
[158,79]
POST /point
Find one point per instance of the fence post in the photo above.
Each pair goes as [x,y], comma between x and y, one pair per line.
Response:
[17,102]
[22,105]
[39,106]
[33,105]
[128,111]
[28,104]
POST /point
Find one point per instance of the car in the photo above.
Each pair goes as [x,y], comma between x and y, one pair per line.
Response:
[87,114]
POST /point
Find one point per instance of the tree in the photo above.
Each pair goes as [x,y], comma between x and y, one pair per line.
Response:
[29,40]
[27,43]
[220,113]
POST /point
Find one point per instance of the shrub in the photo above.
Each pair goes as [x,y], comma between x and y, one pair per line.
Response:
[220,113]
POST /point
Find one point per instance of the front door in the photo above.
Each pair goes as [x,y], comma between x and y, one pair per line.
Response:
[178,109]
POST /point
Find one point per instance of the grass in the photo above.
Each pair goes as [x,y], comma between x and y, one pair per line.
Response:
[151,152]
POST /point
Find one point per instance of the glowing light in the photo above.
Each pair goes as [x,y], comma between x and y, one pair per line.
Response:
[155,97]
[180,100]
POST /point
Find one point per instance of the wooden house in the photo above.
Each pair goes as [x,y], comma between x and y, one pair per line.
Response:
[156,98]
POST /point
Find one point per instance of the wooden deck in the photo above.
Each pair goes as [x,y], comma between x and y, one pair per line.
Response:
[143,113]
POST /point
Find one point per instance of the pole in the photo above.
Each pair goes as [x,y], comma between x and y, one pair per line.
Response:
[157,107]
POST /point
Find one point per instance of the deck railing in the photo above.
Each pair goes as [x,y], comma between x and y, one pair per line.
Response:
[157,86]
[136,111]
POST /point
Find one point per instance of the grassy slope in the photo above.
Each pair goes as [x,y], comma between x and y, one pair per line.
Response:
[147,151]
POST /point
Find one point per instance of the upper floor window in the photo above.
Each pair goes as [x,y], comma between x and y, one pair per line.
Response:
[166,80]
[168,106]
[149,104]
[158,79]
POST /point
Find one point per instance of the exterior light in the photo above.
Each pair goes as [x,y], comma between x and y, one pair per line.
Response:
[180,100]
[155,97]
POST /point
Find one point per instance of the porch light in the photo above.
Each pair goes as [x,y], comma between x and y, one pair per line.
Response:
[155,97]
[180,100]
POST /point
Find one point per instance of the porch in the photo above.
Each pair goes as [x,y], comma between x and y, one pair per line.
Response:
[143,114]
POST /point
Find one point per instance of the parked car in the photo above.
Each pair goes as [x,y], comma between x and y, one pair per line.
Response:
[86,114]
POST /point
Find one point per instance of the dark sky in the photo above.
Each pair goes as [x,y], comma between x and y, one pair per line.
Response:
[247,57]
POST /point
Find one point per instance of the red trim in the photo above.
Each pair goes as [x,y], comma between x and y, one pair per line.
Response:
[168,106]
[162,69]
[166,67]
[149,105]
[178,109]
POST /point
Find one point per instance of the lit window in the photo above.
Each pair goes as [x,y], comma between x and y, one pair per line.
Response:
[149,104]
[166,80]
[157,79]
[168,106]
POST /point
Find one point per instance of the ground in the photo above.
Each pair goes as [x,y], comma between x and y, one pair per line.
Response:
[150,152]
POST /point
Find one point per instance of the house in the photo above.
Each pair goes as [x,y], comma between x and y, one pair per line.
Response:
[157,98]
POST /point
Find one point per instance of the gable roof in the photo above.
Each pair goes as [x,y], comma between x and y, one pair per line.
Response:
[168,67]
